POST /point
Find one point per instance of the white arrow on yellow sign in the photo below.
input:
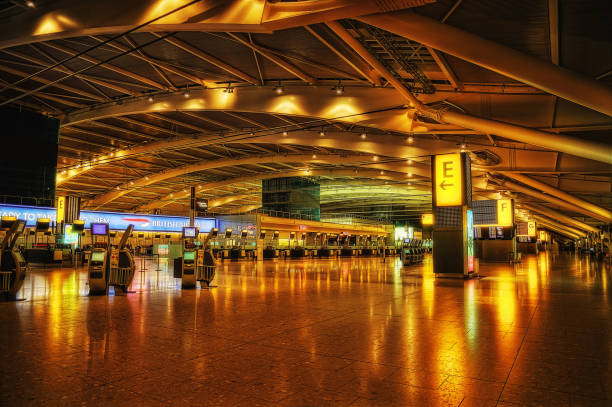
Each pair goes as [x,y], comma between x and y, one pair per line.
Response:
[448,180]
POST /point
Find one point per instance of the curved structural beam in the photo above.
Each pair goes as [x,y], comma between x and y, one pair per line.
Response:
[603,213]
[301,173]
[549,221]
[152,179]
[553,200]
[571,145]
[560,217]
[498,58]
[546,225]
[74,18]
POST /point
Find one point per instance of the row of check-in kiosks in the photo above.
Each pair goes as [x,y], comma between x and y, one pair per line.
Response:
[413,251]
[114,266]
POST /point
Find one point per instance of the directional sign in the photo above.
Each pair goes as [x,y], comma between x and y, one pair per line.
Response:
[505,212]
[448,180]
[427,219]
[531,229]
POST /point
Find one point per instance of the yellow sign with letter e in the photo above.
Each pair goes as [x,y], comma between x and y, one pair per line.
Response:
[448,180]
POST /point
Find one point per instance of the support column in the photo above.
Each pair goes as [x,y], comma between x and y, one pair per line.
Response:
[192,206]
[453,244]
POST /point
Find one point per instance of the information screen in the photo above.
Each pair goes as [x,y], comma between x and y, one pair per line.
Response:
[189,232]
[99,229]
[189,256]
[97,256]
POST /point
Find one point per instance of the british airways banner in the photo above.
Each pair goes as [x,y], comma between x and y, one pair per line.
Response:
[117,221]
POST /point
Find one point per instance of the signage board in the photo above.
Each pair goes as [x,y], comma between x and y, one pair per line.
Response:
[201,205]
[448,180]
[526,229]
[505,212]
[116,220]
[427,219]
[61,208]
[470,240]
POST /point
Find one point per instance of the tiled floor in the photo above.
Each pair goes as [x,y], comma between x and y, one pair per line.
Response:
[355,332]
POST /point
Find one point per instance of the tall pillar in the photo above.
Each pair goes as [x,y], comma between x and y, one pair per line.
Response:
[453,245]
[192,206]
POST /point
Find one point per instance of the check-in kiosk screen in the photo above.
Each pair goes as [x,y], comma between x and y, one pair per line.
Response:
[189,255]
[189,232]
[97,256]
[99,229]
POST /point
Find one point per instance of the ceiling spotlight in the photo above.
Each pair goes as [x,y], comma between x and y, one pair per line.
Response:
[63,172]
[382,172]
[229,89]
[463,145]
[339,89]
[410,139]
[279,88]
[131,182]
[30,3]
[184,189]
[363,135]
[314,156]
[409,174]
[171,195]
[409,161]
[147,177]
[285,133]
[375,158]
[186,93]
[78,166]
[321,133]
[150,98]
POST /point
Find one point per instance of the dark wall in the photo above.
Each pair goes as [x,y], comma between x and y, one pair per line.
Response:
[28,157]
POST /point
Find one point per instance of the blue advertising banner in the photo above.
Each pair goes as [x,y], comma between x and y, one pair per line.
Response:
[117,221]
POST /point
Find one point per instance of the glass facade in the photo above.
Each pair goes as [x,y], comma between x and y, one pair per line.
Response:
[292,195]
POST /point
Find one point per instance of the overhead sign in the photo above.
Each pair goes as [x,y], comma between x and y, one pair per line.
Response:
[427,219]
[531,228]
[201,205]
[61,208]
[146,223]
[448,180]
[526,229]
[505,212]
[117,221]
[470,240]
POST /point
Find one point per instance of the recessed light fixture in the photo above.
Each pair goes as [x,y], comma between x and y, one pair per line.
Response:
[363,135]
[321,133]
[150,98]
[410,139]
[314,156]
[30,3]
[375,158]
[285,133]
[382,172]
[279,88]
[409,161]
[186,93]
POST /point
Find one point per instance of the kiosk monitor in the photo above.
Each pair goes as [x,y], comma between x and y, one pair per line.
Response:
[97,256]
[189,232]
[7,222]
[189,256]
[99,229]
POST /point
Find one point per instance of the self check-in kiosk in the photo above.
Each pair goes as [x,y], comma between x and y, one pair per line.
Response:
[188,262]
[12,264]
[108,266]
[99,258]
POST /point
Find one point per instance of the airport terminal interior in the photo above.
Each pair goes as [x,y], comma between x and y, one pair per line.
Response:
[306,203]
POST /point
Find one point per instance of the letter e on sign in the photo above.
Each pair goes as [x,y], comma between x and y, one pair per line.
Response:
[448,180]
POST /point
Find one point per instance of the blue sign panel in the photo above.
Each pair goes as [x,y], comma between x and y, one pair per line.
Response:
[28,213]
[145,223]
[117,221]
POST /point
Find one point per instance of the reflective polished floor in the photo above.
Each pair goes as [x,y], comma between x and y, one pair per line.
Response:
[335,332]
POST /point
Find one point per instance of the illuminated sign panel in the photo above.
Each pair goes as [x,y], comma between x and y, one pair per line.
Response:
[117,221]
[470,240]
[448,180]
[531,227]
[61,205]
[427,219]
[505,213]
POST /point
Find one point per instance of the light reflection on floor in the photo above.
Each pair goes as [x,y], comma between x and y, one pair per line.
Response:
[335,332]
